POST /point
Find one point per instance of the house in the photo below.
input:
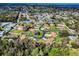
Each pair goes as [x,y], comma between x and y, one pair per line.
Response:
[61,26]
[28,21]
[7,24]
[50,38]
[73,37]
[1,33]
[20,28]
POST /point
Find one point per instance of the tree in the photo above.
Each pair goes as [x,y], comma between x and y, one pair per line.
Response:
[39,34]
[54,52]
[26,52]
[41,53]
[46,50]
[35,52]
[59,52]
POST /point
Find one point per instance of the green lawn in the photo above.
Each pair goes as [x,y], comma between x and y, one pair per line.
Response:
[29,33]
[18,31]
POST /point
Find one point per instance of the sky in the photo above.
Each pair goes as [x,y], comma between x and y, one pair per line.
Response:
[39,1]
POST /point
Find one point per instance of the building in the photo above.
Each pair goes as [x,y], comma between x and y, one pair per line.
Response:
[20,28]
[1,33]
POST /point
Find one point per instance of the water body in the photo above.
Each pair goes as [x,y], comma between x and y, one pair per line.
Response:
[74,5]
